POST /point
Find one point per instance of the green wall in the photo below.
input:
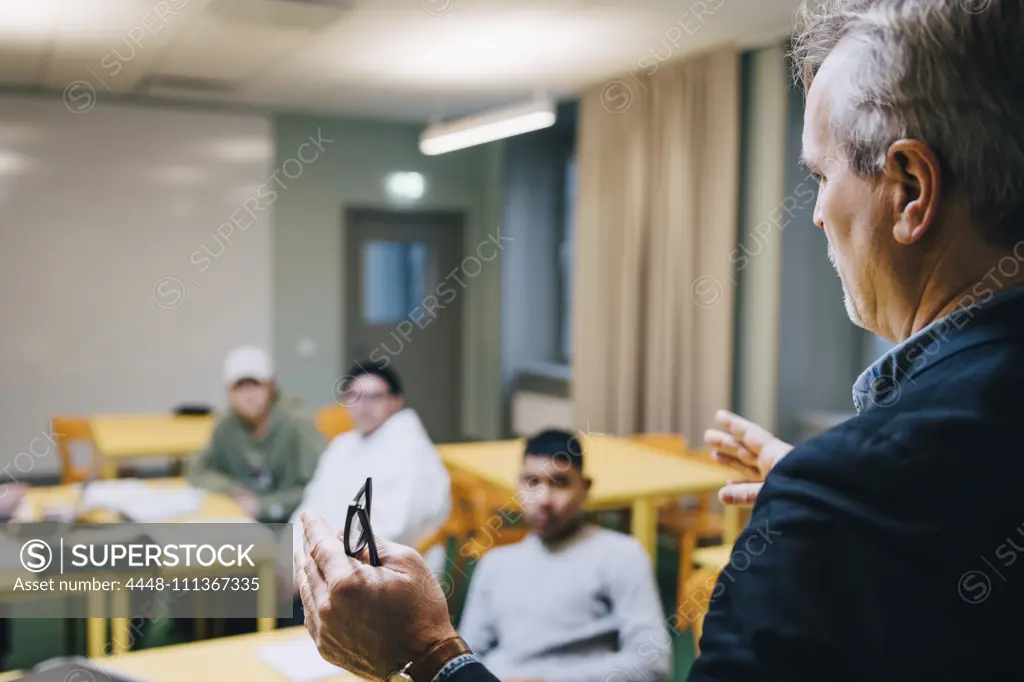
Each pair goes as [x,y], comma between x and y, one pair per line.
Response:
[308,248]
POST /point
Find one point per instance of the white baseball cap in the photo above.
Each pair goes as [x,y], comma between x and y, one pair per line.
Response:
[247,362]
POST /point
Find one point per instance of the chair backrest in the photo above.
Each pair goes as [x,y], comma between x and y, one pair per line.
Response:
[458,526]
[696,600]
[68,430]
[333,420]
[192,410]
[676,444]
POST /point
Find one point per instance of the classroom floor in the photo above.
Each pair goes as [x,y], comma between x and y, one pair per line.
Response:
[35,640]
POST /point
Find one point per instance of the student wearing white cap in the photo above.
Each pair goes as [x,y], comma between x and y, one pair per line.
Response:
[262,452]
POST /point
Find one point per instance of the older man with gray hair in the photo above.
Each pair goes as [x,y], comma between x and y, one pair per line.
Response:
[885,548]
[893,536]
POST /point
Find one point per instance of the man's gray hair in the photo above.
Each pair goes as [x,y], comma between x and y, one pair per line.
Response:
[949,73]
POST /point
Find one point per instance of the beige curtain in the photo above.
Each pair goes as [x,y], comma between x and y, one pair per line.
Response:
[656,224]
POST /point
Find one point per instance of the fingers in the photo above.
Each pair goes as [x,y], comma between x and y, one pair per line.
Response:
[315,582]
[391,554]
[728,445]
[752,436]
[720,440]
[740,494]
[302,586]
[363,555]
[298,574]
[326,550]
[748,470]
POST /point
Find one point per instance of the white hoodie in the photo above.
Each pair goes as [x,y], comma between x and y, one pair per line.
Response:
[411,488]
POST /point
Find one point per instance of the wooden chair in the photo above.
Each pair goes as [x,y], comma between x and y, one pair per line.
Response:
[486,508]
[473,528]
[68,430]
[457,529]
[695,602]
[690,523]
[333,421]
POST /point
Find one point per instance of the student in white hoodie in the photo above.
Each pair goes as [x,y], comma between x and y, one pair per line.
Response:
[411,488]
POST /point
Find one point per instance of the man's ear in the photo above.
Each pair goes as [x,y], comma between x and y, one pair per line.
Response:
[914,174]
[587,482]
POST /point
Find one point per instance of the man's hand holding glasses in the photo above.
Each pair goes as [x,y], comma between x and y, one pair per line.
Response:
[372,607]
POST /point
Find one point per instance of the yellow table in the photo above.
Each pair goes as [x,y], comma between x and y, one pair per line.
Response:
[716,557]
[214,506]
[625,474]
[122,436]
[212,660]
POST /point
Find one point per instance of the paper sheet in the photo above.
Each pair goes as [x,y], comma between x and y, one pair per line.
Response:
[298,660]
[142,503]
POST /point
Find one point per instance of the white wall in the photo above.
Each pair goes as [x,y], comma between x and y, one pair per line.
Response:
[119,294]
[309,249]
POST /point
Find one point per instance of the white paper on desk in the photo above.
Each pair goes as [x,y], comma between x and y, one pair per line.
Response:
[167,504]
[225,519]
[298,660]
[109,494]
[140,502]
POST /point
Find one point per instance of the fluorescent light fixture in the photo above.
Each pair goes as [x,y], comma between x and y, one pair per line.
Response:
[27,21]
[440,138]
[405,187]
[180,175]
[13,164]
[244,150]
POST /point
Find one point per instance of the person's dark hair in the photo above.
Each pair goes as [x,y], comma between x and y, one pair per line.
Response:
[382,370]
[556,444]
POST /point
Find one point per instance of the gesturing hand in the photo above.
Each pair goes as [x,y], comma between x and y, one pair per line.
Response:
[747,448]
[368,620]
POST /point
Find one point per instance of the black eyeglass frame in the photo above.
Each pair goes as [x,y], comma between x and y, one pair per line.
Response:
[360,509]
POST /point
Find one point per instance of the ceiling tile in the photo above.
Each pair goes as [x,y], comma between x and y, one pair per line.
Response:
[211,51]
[112,49]
[410,59]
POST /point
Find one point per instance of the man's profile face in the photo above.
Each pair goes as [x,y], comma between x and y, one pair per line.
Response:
[370,403]
[849,208]
[551,494]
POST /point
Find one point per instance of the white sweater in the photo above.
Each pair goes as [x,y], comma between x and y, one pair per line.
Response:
[586,610]
[411,488]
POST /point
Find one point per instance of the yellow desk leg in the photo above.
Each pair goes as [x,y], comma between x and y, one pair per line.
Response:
[266,600]
[95,637]
[645,526]
[120,636]
[733,524]
[120,627]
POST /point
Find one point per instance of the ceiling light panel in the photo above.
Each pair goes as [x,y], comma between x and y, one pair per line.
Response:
[24,24]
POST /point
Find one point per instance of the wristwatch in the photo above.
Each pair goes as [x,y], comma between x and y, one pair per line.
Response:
[427,666]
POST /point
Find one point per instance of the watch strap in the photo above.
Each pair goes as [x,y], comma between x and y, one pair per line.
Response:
[426,667]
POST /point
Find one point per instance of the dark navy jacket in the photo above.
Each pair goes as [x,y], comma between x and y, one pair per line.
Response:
[892,546]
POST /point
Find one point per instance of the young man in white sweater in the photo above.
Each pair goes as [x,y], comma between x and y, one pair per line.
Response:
[411,488]
[572,602]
